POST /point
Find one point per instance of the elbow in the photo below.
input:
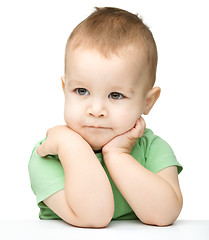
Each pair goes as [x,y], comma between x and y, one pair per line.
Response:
[96,222]
[168,219]
[160,221]
[164,219]
[164,222]
[90,221]
[100,218]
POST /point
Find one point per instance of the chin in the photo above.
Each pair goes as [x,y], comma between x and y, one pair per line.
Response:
[96,145]
[98,139]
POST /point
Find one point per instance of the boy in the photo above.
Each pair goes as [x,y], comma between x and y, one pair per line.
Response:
[104,164]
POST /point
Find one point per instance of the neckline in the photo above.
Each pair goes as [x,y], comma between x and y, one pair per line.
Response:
[97,151]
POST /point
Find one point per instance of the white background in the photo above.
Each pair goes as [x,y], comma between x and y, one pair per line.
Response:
[33,35]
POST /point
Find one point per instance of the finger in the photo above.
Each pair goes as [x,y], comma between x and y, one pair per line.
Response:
[142,126]
[47,133]
[41,150]
[135,131]
[138,130]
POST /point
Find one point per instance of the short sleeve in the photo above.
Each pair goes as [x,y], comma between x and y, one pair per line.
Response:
[46,175]
[159,154]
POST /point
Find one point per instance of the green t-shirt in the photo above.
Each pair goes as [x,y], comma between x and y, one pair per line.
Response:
[47,174]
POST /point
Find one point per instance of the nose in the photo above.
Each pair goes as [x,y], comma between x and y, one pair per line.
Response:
[97,109]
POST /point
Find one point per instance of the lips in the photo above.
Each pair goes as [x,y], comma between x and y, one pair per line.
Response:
[98,127]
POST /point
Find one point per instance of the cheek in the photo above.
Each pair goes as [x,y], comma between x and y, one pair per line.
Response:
[126,120]
[71,114]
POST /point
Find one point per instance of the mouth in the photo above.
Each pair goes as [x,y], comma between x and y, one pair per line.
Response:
[98,127]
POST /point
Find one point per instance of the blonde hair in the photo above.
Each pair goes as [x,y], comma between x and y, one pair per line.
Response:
[108,30]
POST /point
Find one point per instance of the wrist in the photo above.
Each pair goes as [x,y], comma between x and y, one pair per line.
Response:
[69,139]
[109,151]
[113,155]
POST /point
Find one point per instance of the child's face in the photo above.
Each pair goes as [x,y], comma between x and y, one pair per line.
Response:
[103,97]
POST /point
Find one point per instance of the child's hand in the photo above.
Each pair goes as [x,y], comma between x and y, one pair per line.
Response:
[56,137]
[124,143]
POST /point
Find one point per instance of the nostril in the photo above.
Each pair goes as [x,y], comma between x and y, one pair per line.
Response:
[96,114]
[96,110]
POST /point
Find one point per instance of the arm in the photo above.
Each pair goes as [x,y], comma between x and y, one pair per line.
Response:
[87,198]
[155,198]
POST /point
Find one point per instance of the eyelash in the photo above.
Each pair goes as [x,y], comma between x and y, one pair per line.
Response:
[118,94]
[81,89]
[86,92]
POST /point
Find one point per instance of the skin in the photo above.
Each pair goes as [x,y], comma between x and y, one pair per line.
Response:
[100,95]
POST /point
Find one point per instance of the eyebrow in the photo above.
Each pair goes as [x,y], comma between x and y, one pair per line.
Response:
[74,82]
[119,88]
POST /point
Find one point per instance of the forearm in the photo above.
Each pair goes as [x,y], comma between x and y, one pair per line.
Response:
[87,188]
[151,197]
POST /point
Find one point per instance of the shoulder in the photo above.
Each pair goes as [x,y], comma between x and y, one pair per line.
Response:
[34,152]
[148,136]
[149,139]
[40,165]
[158,153]
[46,174]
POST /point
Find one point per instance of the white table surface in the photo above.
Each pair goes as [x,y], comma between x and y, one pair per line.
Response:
[131,229]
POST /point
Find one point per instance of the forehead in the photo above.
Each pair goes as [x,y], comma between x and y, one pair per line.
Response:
[84,63]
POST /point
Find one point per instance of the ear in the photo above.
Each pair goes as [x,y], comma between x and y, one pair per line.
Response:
[63,83]
[151,98]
